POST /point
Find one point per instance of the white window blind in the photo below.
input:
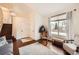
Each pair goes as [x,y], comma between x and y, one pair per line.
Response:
[64,16]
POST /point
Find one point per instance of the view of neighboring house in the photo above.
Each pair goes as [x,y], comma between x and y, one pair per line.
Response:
[39,29]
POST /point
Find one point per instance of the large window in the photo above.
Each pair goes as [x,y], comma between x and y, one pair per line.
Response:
[59,26]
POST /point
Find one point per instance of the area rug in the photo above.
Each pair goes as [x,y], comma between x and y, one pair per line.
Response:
[35,49]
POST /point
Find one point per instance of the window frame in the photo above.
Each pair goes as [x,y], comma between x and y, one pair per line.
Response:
[58,35]
[58,32]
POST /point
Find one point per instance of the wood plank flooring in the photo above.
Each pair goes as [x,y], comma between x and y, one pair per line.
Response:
[18,44]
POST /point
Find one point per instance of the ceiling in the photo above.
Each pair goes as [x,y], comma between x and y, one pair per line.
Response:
[41,8]
[47,8]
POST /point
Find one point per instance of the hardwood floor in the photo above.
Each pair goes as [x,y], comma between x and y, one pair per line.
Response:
[54,48]
[18,44]
[57,50]
[15,48]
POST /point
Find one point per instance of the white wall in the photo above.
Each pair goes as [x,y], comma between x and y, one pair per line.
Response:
[21,27]
[1,17]
[36,22]
[76,21]
[6,15]
[27,27]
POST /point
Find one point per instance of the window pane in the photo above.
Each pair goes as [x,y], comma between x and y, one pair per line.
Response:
[62,28]
[54,27]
